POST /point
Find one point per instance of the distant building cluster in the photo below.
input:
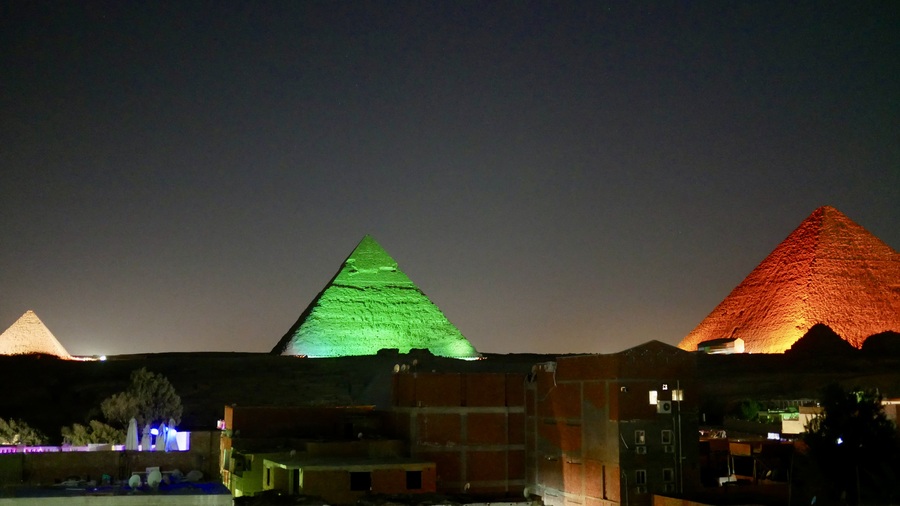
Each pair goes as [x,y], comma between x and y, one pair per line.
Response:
[579,429]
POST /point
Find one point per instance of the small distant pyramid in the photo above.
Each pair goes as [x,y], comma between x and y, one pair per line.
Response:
[29,335]
[370,305]
[829,270]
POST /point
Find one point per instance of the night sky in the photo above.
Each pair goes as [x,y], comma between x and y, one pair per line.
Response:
[556,177]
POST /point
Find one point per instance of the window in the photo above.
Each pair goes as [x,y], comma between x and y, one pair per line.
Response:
[668,475]
[665,437]
[639,437]
[603,480]
[678,395]
[640,477]
[360,480]
[653,397]
[413,480]
[665,386]
[239,464]
[268,476]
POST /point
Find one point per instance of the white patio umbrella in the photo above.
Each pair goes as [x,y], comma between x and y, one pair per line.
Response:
[171,441]
[131,437]
[145,439]
[161,437]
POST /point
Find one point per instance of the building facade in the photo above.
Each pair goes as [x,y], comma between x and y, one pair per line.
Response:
[336,453]
[472,425]
[612,429]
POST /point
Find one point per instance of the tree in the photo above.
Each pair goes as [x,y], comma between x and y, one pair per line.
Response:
[96,432]
[120,408]
[749,410]
[17,432]
[854,446]
[150,399]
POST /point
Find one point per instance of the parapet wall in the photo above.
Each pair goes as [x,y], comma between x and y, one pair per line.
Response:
[40,469]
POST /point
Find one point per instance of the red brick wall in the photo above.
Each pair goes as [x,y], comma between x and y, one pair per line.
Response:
[451,389]
[331,485]
[560,435]
[448,464]
[471,425]
[485,390]
[515,389]
[516,428]
[292,421]
[486,429]
[485,466]
[438,428]
[436,389]
[516,464]
[562,401]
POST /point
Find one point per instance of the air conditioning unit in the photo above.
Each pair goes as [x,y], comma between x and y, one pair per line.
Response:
[640,450]
[549,366]
[669,448]
[664,407]
[640,489]
[670,487]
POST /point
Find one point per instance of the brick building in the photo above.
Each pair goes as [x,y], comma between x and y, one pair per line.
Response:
[470,424]
[612,429]
[336,453]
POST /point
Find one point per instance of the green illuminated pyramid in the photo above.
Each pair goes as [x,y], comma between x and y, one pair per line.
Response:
[370,305]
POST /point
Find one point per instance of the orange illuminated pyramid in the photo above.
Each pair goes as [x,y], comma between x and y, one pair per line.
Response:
[29,335]
[829,270]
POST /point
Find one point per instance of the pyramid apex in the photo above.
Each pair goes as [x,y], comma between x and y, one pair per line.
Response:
[823,213]
[370,263]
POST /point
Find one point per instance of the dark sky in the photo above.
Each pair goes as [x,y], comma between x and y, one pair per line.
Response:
[556,176]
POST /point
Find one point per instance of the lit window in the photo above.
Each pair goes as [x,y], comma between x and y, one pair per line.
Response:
[640,477]
[668,475]
[639,437]
[653,397]
[678,395]
[665,386]
[666,437]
